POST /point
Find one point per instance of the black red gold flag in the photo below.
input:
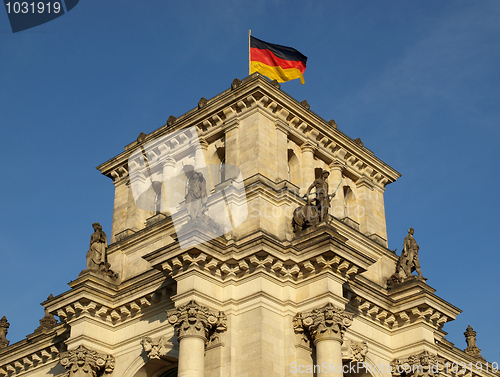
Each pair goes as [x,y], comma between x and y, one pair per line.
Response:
[275,61]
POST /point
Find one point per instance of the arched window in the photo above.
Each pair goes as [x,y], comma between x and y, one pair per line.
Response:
[349,203]
[293,168]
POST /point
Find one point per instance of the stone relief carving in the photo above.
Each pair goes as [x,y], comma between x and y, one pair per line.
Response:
[312,214]
[198,321]
[155,348]
[328,322]
[4,325]
[420,365]
[472,349]
[83,362]
[97,255]
[354,351]
[408,261]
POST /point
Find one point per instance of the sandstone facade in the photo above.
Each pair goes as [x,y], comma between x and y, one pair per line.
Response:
[248,297]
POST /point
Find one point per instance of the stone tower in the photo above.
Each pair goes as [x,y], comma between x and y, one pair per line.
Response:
[205,275]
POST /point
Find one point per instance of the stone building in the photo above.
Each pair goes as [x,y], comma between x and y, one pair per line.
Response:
[205,275]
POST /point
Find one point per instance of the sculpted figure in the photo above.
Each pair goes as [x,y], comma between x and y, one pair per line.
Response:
[322,197]
[409,256]
[4,325]
[408,261]
[312,214]
[96,256]
[196,197]
[97,250]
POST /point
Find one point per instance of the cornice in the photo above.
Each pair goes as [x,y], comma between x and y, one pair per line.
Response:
[397,313]
[28,355]
[256,92]
[112,307]
[301,259]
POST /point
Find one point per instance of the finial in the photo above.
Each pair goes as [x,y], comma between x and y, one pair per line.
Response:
[202,102]
[171,120]
[470,338]
[305,104]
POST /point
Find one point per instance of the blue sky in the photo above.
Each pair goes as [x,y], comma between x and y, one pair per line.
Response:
[418,82]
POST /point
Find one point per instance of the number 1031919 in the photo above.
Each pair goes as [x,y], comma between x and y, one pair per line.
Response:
[33,7]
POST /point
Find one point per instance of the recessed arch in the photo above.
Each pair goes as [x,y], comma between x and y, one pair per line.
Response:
[293,168]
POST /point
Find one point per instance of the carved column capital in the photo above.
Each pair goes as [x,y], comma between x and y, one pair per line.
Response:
[193,320]
[337,165]
[203,144]
[83,362]
[326,323]
[307,147]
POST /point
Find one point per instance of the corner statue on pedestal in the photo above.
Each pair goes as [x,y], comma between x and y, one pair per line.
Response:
[408,261]
[97,256]
[310,215]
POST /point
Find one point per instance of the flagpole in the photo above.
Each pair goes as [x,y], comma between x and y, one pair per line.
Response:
[249,64]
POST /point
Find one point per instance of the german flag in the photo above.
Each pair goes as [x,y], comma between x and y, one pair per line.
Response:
[276,62]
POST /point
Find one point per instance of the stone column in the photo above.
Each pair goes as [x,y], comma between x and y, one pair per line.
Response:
[337,203]
[168,173]
[307,171]
[232,144]
[195,326]
[200,160]
[325,327]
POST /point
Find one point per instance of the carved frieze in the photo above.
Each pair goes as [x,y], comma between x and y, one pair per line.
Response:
[421,365]
[83,362]
[326,323]
[193,320]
